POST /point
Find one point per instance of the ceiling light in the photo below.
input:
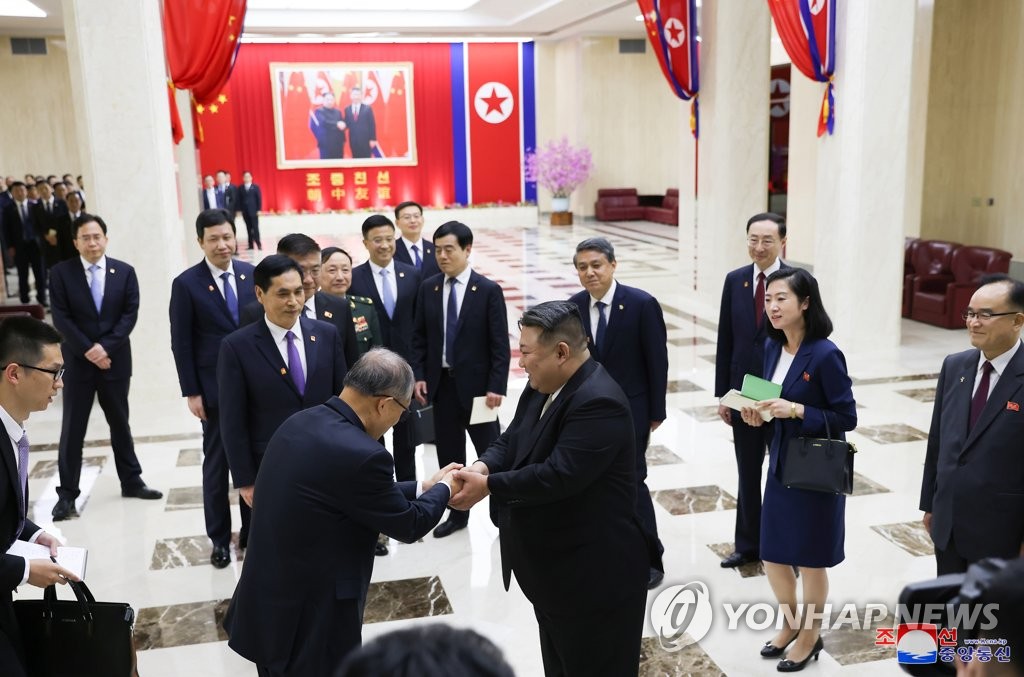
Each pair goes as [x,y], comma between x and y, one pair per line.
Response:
[639,17]
[22,8]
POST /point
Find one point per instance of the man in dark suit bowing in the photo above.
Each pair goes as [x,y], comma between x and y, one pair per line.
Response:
[324,491]
[204,309]
[95,305]
[393,286]
[411,248]
[32,372]
[318,305]
[460,352]
[972,493]
[741,335]
[271,369]
[563,476]
[627,336]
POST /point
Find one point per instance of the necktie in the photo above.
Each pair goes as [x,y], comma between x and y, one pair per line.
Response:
[451,322]
[355,113]
[385,291]
[229,297]
[759,301]
[416,257]
[602,324]
[547,403]
[26,227]
[295,364]
[22,481]
[981,394]
[49,207]
[95,288]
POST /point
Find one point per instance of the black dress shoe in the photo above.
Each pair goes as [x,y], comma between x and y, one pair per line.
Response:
[769,650]
[380,550]
[737,559]
[64,509]
[787,665]
[221,557]
[448,527]
[655,579]
[142,492]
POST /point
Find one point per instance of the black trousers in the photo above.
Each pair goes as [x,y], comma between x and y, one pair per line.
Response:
[949,561]
[644,504]
[27,253]
[78,399]
[252,228]
[600,644]
[451,423]
[750,444]
[216,507]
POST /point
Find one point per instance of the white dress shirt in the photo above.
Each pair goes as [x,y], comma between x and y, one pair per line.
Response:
[999,365]
[377,281]
[767,271]
[211,197]
[309,309]
[281,341]
[217,272]
[15,431]
[460,295]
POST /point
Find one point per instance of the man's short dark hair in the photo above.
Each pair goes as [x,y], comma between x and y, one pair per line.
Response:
[297,244]
[461,231]
[77,194]
[558,321]
[208,218]
[817,324]
[381,372]
[85,219]
[328,252]
[1016,294]
[273,266]
[407,203]
[15,184]
[376,221]
[769,216]
[22,340]
[435,650]
[596,244]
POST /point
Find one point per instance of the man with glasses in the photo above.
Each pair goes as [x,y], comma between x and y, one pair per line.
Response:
[741,334]
[95,305]
[972,493]
[411,248]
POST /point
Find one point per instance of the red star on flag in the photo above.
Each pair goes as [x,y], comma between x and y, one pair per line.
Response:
[494,102]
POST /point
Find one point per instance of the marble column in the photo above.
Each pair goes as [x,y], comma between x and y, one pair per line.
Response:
[187,163]
[732,163]
[119,87]
[863,193]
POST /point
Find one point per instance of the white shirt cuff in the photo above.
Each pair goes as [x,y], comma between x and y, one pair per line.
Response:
[420,489]
[24,579]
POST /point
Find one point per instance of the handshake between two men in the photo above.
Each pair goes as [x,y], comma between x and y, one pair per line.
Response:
[468,485]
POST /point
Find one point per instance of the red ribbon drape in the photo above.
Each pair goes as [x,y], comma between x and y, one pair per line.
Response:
[807,29]
[672,31]
[202,39]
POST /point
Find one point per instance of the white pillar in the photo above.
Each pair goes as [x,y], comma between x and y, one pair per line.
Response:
[116,57]
[189,178]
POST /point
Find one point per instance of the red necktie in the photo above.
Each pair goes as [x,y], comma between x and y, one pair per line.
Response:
[981,394]
[355,114]
[759,301]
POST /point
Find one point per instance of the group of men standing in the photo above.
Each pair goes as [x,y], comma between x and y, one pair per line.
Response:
[245,199]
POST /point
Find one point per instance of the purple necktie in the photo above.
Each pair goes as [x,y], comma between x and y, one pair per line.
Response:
[981,394]
[295,364]
[416,257]
[22,481]
[94,287]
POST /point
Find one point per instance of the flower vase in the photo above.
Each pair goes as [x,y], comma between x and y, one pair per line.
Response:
[560,214]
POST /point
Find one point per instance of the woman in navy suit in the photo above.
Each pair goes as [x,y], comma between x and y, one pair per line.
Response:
[800,528]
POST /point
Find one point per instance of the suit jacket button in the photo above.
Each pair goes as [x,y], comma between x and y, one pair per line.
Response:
[961,463]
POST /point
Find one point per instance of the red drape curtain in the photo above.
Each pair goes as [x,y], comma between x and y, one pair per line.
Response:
[807,30]
[201,38]
[672,30]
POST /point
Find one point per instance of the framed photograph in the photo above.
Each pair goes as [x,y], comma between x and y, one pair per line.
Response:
[343,114]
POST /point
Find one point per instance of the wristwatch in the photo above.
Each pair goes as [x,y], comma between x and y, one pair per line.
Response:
[792,409]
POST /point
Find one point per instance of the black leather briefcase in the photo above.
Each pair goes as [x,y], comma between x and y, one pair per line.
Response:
[422,428]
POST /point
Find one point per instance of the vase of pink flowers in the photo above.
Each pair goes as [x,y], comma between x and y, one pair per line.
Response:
[560,168]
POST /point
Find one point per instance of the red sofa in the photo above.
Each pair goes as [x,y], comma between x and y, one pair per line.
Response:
[941,302]
[910,245]
[618,204]
[668,212]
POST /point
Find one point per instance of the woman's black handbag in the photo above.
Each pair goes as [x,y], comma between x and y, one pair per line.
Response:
[819,464]
[84,638]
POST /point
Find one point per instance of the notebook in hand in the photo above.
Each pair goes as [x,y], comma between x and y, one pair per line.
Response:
[759,389]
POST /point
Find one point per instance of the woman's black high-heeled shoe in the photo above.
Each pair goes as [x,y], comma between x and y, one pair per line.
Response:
[769,650]
[787,665]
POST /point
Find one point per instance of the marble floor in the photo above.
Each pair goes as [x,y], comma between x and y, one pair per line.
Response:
[154,554]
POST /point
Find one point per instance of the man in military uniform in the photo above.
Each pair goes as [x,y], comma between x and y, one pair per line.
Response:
[335,279]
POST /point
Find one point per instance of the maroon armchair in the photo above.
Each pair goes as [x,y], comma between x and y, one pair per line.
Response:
[944,307]
[668,212]
[910,245]
[618,204]
[23,310]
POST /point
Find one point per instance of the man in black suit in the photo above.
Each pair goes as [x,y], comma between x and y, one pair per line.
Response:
[328,129]
[460,352]
[362,127]
[47,216]
[411,248]
[225,193]
[563,477]
[22,244]
[204,308]
[318,305]
[210,193]
[325,489]
[393,286]
[627,336]
[270,369]
[742,324]
[250,202]
[95,305]
[972,493]
[32,370]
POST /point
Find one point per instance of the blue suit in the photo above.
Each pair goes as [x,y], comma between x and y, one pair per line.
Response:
[798,526]
[635,354]
[741,352]
[76,317]
[199,321]
[427,257]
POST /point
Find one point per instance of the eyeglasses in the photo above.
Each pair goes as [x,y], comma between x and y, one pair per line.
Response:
[767,242]
[405,409]
[984,315]
[58,374]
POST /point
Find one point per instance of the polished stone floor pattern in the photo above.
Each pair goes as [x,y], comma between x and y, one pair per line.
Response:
[154,554]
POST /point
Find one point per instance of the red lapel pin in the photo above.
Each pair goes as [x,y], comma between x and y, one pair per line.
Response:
[1012,406]
[807,377]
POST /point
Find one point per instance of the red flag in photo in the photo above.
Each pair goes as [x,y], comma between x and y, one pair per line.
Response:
[373,96]
[397,123]
[495,146]
[296,113]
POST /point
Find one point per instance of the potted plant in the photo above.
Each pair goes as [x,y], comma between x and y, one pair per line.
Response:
[561,169]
